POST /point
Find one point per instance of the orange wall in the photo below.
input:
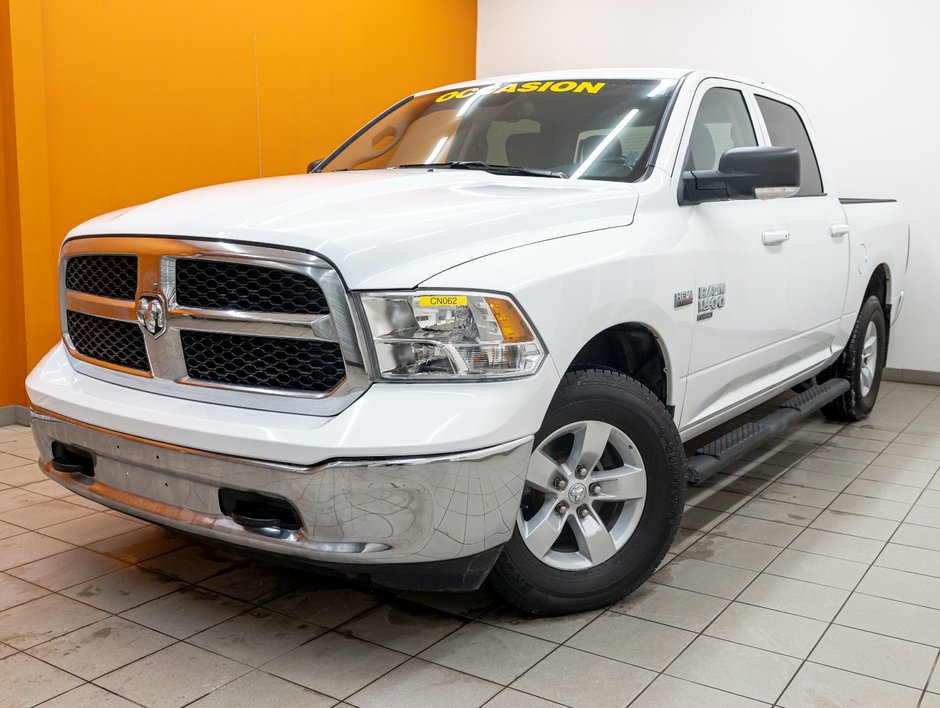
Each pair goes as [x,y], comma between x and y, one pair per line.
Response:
[120,102]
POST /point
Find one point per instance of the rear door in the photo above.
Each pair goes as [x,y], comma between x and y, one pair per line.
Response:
[818,240]
[741,289]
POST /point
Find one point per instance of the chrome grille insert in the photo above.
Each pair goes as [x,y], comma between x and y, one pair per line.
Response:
[222,322]
[105,275]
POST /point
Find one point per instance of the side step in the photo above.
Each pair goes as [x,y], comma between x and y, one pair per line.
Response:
[729,448]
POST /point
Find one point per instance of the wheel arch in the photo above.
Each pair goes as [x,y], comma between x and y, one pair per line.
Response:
[879,285]
[634,349]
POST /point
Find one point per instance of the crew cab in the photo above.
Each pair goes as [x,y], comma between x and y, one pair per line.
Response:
[471,342]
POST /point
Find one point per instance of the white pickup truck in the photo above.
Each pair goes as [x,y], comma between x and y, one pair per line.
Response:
[470,342]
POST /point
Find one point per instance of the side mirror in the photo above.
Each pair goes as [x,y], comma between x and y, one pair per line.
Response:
[312,166]
[745,173]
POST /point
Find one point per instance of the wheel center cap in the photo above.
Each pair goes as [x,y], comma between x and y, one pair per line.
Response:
[577,493]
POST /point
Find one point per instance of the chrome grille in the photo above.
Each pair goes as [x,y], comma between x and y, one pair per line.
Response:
[263,362]
[112,341]
[104,275]
[232,323]
[225,285]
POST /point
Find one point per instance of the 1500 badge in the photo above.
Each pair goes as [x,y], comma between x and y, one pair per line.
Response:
[710,298]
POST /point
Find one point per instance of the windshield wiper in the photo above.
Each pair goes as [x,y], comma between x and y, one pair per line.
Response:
[495,169]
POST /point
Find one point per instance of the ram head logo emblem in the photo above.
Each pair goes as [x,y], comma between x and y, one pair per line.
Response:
[151,315]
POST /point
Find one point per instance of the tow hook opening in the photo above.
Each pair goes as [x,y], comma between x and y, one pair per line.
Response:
[72,460]
[258,511]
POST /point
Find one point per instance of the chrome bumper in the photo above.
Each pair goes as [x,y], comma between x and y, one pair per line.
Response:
[390,511]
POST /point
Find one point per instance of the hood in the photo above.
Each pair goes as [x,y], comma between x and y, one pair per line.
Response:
[384,228]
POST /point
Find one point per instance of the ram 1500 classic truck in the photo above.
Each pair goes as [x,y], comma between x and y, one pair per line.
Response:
[471,341]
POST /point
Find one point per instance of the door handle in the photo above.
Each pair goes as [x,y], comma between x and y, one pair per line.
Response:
[836,230]
[772,238]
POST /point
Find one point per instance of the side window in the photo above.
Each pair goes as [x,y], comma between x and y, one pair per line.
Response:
[722,123]
[787,130]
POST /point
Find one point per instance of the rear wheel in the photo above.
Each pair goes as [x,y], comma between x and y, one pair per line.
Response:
[861,364]
[602,499]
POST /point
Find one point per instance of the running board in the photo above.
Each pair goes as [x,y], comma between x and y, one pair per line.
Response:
[729,448]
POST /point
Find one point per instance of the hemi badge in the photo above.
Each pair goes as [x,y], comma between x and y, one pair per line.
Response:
[683,298]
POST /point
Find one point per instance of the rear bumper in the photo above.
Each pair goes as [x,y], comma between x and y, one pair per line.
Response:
[357,515]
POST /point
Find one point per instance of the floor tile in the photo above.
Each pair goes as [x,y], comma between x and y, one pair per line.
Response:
[326,606]
[491,653]
[194,671]
[255,582]
[699,519]
[511,698]
[767,629]
[906,449]
[11,499]
[747,671]
[816,480]
[402,627]
[702,576]
[795,596]
[817,685]
[421,683]
[748,528]
[855,525]
[88,696]
[25,681]
[65,569]
[683,539]
[464,604]
[838,545]
[875,655]
[784,512]
[14,591]
[733,552]
[869,506]
[185,612]
[891,618]
[796,494]
[819,464]
[49,488]
[51,511]
[668,691]
[841,454]
[256,637]
[814,568]
[911,559]
[905,462]
[649,645]
[43,619]
[123,589]
[140,544]
[101,647]
[672,606]
[91,528]
[336,665]
[27,547]
[26,473]
[192,564]
[553,629]
[858,443]
[576,678]
[883,490]
[919,536]
[900,585]
[924,516]
[894,476]
[7,530]
[264,691]
[710,499]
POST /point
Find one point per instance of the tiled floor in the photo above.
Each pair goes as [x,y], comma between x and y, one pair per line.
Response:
[809,575]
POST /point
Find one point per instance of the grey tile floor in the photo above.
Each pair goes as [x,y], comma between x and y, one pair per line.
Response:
[807,576]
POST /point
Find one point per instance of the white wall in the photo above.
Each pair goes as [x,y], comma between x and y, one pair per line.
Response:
[866,70]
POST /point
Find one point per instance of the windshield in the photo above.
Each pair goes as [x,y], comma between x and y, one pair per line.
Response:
[588,129]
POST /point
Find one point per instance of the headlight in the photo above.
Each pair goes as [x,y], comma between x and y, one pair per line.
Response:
[450,336]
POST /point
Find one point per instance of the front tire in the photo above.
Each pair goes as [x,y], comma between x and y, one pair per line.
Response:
[603,497]
[861,364]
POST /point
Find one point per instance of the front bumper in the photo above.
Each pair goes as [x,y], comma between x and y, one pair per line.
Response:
[366,513]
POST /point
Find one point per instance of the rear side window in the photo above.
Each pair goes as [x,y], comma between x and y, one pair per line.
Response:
[787,130]
[721,123]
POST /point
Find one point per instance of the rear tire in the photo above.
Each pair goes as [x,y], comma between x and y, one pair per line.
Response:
[603,499]
[861,364]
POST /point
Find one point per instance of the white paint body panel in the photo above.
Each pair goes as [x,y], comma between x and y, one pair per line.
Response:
[579,256]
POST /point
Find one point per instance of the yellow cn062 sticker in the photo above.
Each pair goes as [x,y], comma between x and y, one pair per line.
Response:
[442,300]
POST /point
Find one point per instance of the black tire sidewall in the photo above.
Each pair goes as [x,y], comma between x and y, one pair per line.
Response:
[871,312]
[612,398]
